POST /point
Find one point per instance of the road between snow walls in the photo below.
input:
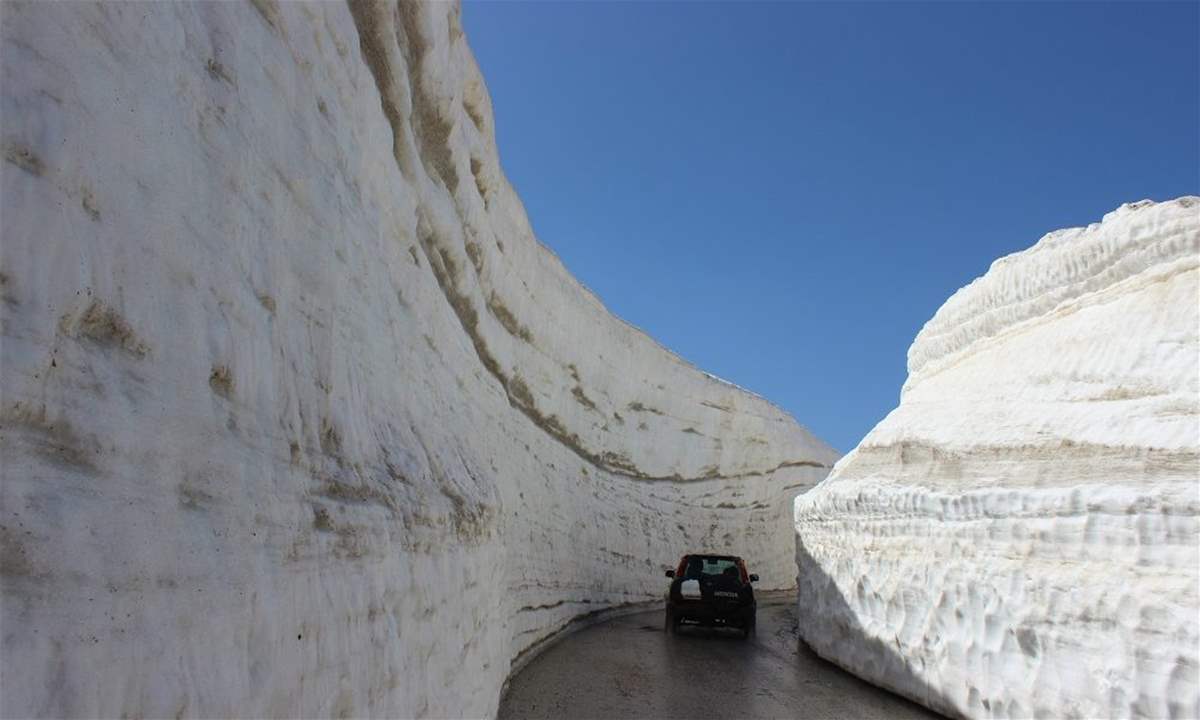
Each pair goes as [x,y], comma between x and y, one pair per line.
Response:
[298,417]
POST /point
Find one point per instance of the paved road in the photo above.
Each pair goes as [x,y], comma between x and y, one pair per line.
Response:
[629,668]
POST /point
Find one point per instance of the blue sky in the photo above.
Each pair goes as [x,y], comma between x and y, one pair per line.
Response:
[783,193]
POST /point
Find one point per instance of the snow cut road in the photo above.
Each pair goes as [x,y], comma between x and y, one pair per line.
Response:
[629,668]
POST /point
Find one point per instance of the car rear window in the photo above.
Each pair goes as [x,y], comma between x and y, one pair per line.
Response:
[699,566]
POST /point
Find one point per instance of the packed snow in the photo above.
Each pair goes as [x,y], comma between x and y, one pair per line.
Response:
[298,417]
[1020,537]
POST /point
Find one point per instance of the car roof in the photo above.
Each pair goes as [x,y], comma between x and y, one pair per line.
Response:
[713,556]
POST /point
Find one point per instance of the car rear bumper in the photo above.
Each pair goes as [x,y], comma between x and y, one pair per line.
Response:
[707,614]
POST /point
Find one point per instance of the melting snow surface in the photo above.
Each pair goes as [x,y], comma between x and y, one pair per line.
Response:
[1021,536]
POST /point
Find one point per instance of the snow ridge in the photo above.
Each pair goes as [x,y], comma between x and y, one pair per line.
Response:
[1061,268]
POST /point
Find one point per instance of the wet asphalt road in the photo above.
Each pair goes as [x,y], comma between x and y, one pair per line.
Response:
[629,668]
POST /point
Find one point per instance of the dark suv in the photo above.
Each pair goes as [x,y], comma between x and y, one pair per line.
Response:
[713,591]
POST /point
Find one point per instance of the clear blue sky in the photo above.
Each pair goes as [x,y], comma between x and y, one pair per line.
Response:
[784,193]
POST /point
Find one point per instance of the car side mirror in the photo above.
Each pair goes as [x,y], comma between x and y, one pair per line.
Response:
[670,573]
[753,577]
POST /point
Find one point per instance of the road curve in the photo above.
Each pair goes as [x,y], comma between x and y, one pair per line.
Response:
[629,668]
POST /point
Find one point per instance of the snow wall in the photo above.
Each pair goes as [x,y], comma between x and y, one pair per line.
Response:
[1019,538]
[298,418]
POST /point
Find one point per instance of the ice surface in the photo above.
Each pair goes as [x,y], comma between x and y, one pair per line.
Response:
[298,417]
[1020,537]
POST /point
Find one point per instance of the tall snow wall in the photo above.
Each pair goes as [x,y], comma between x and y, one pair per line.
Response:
[298,417]
[1020,537]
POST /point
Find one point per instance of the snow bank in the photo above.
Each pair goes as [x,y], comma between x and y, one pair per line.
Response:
[298,417]
[1020,537]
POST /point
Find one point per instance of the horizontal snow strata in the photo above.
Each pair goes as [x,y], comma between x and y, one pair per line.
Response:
[1138,242]
[298,417]
[1021,536]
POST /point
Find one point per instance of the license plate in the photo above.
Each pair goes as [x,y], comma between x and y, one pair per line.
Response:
[721,593]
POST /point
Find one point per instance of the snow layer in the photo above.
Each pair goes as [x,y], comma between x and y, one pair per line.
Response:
[298,417]
[1020,537]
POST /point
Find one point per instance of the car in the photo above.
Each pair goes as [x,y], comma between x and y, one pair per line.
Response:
[711,591]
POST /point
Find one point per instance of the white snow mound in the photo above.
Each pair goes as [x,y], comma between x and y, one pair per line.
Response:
[1021,536]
